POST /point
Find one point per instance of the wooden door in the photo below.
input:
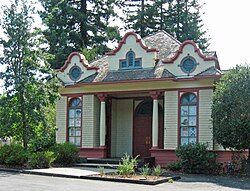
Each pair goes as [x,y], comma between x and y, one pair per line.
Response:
[143,129]
[142,136]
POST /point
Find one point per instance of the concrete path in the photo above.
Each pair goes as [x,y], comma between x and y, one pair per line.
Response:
[68,171]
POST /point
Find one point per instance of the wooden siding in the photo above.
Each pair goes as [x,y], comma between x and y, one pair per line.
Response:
[61,114]
[123,128]
[88,118]
[171,120]
[205,123]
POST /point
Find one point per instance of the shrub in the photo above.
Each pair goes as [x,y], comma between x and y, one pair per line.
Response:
[127,166]
[42,159]
[145,171]
[195,158]
[66,154]
[170,180]
[13,154]
[174,166]
[101,170]
[157,170]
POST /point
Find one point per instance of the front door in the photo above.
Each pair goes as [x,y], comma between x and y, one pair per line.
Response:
[143,129]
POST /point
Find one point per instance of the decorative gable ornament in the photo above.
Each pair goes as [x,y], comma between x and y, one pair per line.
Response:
[188,64]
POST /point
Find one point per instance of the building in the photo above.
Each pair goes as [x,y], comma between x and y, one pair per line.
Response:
[146,97]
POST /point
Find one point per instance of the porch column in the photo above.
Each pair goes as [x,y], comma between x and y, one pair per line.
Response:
[102,98]
[155,121]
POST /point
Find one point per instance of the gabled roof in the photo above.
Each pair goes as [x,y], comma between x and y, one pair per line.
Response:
[167,48]
[212,71]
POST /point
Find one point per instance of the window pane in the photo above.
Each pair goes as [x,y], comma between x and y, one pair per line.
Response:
[192,140]
[184,100]
[71,113]
[192,110]
[78,122]
[72,132]
[184,110]
[192,99]
[78,113]
[71,122]
[72,140]
[192,121]
[78,141]
[184,121]
[78,132]
[130,59]
[123,64]
[184,141]
[192,131]
[137,63]
[184,131]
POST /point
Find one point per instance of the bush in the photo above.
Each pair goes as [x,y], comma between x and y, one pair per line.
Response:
[174,166]
[42,159]
[13,154]
[127,166]
[66,154]
[195,158]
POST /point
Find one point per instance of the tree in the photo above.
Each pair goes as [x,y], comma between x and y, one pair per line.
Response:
[180,18]
[28,81]
[75,25]
[231,109]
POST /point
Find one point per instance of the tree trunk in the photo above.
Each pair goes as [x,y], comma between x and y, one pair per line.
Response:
[248,163]
[142,19]
[83,23]
[24,124]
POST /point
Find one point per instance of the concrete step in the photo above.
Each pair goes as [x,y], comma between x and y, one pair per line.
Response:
[97,165]
[104,161]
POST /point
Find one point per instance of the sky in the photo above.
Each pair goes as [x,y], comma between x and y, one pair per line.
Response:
[228,27]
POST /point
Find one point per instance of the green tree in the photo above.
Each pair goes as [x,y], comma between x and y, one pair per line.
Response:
[75,25]
[231,109]
[29,83]
[181,18]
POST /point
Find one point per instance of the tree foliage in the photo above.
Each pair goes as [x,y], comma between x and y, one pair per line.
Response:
[181,18]
[231,109]
[29,83]
[76,25]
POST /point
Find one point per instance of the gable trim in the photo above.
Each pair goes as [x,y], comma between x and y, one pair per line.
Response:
[196,49]
[82,59]
[138,40]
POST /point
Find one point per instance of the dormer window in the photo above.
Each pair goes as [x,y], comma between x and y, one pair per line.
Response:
[130,62]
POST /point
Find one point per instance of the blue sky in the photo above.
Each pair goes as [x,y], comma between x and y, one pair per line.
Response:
[228,26]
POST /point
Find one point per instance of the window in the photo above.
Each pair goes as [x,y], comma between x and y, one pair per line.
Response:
[74,123]
[130,62]
[188,118]
[188,64]
[75,73]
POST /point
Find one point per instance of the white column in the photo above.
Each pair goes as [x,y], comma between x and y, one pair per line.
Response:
[102,124]
[155,123]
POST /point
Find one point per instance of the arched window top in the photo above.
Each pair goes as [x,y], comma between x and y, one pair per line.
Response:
[75,102]
[131,62]
[188,99]
[145,108]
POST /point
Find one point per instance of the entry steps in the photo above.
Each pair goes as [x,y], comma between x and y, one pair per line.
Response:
[112,163]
